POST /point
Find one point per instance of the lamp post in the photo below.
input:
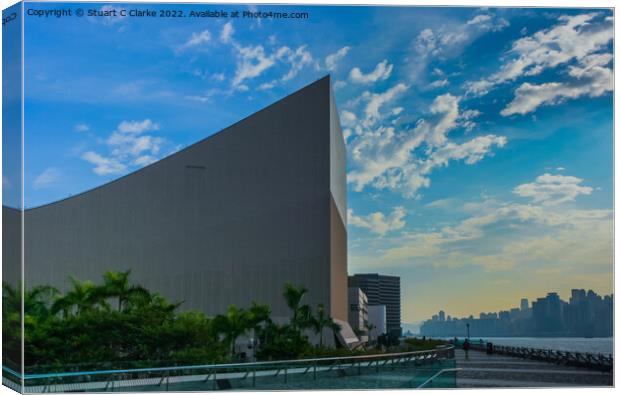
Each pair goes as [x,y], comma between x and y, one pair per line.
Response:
[467,330]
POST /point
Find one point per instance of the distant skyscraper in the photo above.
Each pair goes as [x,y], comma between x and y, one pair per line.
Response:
[382,290]
[577,296]
[442,316]
[525,304]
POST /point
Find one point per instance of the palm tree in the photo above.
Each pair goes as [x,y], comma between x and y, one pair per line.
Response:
[11,299]
[301,313]
[37,300]
[369,328]
[116,284]
[83,296]
[258,314]
[321,320]
[233,324]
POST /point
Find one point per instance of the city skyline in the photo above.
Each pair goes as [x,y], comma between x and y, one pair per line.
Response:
[584,314]
[478,139]
[477,314]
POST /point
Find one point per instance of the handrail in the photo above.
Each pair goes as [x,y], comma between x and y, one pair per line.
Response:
[442,371]
[231,366]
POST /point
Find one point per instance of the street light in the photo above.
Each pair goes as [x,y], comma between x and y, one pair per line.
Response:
[467,330]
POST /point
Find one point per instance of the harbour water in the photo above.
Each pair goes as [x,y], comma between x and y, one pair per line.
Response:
[597,345]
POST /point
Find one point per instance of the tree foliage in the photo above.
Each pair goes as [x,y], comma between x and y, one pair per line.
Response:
[117,324]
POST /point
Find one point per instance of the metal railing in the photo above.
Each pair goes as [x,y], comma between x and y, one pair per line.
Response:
[594,361]
[363,371]
[429,382]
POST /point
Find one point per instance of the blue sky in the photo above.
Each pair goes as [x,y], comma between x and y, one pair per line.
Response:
[479,140]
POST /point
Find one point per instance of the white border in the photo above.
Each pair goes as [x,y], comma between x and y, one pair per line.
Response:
[478,3]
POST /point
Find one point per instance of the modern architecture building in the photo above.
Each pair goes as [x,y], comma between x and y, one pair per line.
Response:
[376,321]
[228,220]
[358,312]
[382,290]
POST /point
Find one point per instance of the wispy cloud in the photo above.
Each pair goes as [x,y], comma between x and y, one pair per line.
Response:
[377,222]
[47,178]
[104,166]
[591,78]
[81,127]
[553,189]
[383,157]
[227,32]
[574,38]
[128,146]
[332,60]
[532,233]
[196,39]
[382,72]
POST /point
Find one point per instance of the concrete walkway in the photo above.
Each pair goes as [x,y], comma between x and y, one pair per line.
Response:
[482,370]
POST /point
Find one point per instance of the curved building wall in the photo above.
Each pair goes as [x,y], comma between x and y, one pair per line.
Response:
[225,221]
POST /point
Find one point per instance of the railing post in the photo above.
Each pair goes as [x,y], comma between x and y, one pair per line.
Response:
[314,371]
[215,380]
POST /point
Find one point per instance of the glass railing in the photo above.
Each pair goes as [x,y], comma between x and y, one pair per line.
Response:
[394,370]
[445,378]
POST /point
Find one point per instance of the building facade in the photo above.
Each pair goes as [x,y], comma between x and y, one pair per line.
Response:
[358,312]
[228,220]
[376,321]
[382,290]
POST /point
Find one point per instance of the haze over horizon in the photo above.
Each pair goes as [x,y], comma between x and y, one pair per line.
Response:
[479,140]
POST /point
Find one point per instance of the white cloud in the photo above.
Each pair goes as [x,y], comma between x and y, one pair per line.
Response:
[331,60]
[218,77]
[568,236]
[466,119]
[377,100]
[297,60]
[347,118]
[591,79]
[382,71]
[104,166]
[254,61]
[470,152]
[441,203]
[137,127]
[266,86]
[81,127]
[574,38]
[383,157]
[227,32]
[196,39]
[450,40]
[128,145]
[199,98]
[251,63]
[48,177]
[339,84]
[438,83]
[377,222]
[479,19]
[549,189]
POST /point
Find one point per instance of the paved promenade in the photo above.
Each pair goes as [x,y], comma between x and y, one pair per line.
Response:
[482,370]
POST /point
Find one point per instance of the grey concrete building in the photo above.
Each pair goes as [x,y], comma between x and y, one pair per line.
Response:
[225,221]
[382,290]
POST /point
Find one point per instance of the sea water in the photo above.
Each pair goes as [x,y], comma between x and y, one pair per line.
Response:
[596,345]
